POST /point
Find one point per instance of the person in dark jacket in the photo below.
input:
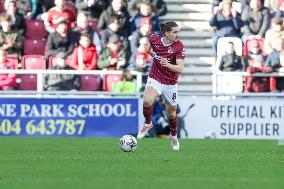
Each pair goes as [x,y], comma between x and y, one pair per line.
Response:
[256,19]
[17,18]
[92,8]
[227,22]
[160,7]
[231,61]
[117,9]
[59,41]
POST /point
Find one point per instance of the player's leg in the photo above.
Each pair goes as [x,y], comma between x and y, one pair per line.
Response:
[150,94]
[170,95]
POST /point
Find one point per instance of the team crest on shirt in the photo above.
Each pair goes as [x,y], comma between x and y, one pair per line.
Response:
[170,50]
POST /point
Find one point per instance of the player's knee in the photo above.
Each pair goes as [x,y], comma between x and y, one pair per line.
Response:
[147,103]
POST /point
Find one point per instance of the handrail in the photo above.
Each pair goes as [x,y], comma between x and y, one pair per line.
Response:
[40,74]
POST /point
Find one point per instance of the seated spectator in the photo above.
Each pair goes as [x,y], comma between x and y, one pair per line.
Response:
[85,56]
[141,59]
[92,8]
[17,18]
[59,41]
[231,61]
[228,24]
[272,5]
[7,81]
[117,9]
[113,57]
[58,13]
[280,69]
[276,32]
[273,59]
[280,11]
[255,19]
[83,27]
[160,7]
[11,40]
[254,53]
[126,85]
[114,29]
[257,84]
[61,82]
[145,10]
[144,31]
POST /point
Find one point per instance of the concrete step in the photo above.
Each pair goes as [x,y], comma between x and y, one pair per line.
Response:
[193,34]
[199,52]
[174,8]
[195,88]
[197,43]
[187,1]
[192,79]
[199,61]
[187,16]
[196,70]
[195,25]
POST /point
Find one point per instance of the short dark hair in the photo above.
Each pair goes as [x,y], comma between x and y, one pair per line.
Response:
[167,26]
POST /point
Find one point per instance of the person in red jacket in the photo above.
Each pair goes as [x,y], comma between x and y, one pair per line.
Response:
[7,81]
[84,56]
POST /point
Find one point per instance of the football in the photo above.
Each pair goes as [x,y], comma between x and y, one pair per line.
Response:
[128,143]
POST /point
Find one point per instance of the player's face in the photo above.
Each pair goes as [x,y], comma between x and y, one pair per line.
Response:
[173,34]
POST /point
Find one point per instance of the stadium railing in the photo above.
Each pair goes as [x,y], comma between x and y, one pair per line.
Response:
[40,82]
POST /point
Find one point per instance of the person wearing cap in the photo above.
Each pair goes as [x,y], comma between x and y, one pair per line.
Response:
[114,28]
[59,41]
[84,56]
[113,56]
[144,31]
[273,34]
[56,14]
[145,9]
[61,82]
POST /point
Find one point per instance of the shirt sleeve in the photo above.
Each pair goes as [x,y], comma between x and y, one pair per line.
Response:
[181,52]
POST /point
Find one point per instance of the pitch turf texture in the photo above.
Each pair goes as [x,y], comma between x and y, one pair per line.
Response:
[79,163]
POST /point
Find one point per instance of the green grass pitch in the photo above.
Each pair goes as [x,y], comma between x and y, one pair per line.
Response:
[79,163]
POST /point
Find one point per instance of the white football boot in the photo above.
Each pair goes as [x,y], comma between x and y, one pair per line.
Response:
[174,142]
[144,130]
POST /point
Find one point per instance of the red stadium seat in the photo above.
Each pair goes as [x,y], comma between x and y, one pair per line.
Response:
[89,83]
[71,6]
[34,47]
[52,60]
[32,62]
[35,29]
[13,59]
[109,80]
[93,23]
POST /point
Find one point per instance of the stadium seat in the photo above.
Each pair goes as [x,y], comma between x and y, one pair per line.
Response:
[109,80]
[93,23]
[52,60]
[89,83]
[32,62]
[34,47]
[13,59]
[226,84]
[71,6]
[247,44]
[35,29]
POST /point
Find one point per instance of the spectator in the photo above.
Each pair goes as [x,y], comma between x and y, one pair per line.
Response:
[17,19]
[254,53]
[255,19]
[144,31]
[112,29]
[83,27]
[7,81]
[228,24]
[272,5]
[113,56]
[92,8]
[280,68]
[141,59]
[84,56]
[145,9]
[126,85]
[23,6]
[118,10]
[59,41]
[58,13]
[276,32]
[160,7]
[280,12]
[61,82]
[273,59]
[10,39]
[231,61]
[257,84]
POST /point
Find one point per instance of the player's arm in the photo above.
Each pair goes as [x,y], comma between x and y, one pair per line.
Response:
[174,68]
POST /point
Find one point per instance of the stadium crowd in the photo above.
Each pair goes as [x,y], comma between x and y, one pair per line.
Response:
[76,35]
[256,43]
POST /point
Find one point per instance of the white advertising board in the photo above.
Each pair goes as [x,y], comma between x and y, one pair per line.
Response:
[243,118]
